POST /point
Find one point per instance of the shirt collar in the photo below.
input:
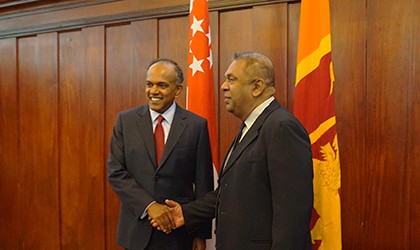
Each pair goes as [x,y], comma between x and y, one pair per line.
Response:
[257,112]
[168,114]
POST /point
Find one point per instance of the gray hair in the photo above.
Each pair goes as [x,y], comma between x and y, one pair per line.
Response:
[260,62]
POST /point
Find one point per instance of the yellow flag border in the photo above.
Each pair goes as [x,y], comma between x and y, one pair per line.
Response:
[311,62]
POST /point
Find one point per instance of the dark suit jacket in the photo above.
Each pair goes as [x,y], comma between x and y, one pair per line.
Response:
[185,172]
[265,195]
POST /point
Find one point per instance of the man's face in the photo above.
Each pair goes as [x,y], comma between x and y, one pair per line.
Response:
[237,90]
[161,87]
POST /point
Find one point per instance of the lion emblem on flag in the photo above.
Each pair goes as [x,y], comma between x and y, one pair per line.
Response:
[330,167]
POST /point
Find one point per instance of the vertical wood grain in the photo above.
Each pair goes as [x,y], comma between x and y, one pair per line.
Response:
[270,30]
[173,44]
[293,16]
[266,32]
[129,50]
[232,39]
[389,55]
[413,126]
[38,143]
[81,121]
[9,178]
[348,36]
[59,96]
[214,29]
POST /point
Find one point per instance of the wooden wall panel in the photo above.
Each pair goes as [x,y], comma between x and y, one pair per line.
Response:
[348,36]
[9,178]
[173,44]
[59,97]
[38,143]
[389,41]
[414,126]
[269,36]
[42,20]
[129,49]
[81,122]
[266,34]
[293,15]
[214,29]
[232,39]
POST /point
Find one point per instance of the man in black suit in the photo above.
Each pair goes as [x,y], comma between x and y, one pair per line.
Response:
[142,179]
[265,195]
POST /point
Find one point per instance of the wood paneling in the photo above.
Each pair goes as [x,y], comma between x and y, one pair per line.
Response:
[38,143]
[266,34]
[269,36]
[292,36]
[214,29]
[232,38]
[413,126]
[60,93]
[129,49]
[349,62]
[81,122]
[74,14]
[388,41]
[173,44]
[9,178]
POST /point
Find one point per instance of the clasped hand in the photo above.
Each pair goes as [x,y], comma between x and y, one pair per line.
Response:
[166,218]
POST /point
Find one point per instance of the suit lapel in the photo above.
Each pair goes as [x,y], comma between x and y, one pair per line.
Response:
[249,137]
[144,124]
[177,127]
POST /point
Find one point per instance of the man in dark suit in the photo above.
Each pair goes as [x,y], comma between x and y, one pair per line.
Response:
[142,178]
[265,195]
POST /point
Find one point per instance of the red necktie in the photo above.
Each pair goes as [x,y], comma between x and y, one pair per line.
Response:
[159,139]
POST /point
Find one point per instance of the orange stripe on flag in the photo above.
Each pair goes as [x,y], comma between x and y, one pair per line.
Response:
[314,107]
[314,25]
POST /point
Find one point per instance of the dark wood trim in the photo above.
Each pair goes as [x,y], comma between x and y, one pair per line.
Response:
[38,24]
[9,3]
[26,8]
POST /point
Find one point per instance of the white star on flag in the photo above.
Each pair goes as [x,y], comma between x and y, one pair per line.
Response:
[210,58]
[209,36]
[196,65]
[196,26]
[189,46]
[201,87]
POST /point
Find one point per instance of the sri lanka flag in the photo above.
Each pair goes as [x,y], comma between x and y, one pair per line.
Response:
[314,107]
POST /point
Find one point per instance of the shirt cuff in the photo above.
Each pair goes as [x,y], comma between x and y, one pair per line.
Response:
[145,210]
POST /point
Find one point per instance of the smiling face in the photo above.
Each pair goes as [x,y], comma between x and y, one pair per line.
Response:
[161,87]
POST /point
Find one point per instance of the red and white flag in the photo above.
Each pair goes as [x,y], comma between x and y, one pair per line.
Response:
[314,107]
[200,85]
[200,90]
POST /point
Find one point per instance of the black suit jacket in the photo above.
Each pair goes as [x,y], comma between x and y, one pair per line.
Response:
[265,194]
[185,172]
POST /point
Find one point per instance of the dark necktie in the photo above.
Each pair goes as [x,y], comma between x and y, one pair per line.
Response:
[235,143]
[238,136]
[159,139]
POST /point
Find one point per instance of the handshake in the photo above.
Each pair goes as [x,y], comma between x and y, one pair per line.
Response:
[166,217]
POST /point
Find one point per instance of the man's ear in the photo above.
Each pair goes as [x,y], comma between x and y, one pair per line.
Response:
[258,87]
[179,89]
